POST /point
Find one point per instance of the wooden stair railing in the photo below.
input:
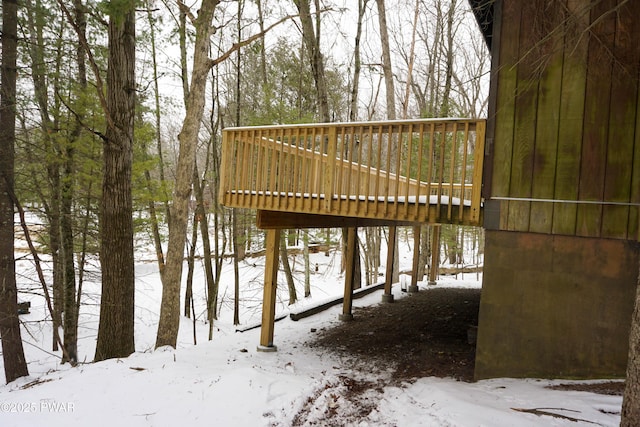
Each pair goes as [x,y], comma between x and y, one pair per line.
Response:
[418,171]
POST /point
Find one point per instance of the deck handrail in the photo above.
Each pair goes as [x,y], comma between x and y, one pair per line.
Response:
[427,170]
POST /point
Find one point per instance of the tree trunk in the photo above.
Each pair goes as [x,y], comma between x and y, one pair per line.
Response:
[237,234]
[15,365]
[56,257]
[116,329]
[188,293]
[353,103]
[156,93]
[424,251]
[630,416]
[70,309]
[219,233]
[284,258]
[236,269]
[307,265]
[66,204]
[220,241]
[387,69]
[445,109]
[391,103]
[188,138]
[83,245]
[311,40]
[35,24]
[312,43]
[203,221]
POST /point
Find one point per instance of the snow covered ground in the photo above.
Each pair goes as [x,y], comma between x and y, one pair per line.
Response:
[226,382]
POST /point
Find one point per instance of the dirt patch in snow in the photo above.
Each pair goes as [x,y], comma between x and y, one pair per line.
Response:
[424,334]
[430,333]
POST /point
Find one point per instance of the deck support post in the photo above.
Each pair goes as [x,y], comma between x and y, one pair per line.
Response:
[435,254]
[269,297]
[416,259]
[388,278]
[349,275]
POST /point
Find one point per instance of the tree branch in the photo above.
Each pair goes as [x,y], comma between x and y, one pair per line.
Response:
[94,66]
[250,40]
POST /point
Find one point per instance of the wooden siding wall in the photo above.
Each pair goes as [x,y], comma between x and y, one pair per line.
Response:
[567,117]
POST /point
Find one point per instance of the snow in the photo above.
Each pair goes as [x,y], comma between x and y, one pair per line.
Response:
[227,382]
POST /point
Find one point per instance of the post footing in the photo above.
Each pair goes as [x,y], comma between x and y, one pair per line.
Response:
[387,298]
[267,348]
[346,317]
[413,289]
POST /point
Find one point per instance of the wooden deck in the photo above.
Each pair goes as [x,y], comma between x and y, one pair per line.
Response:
[408,172]
[349,175]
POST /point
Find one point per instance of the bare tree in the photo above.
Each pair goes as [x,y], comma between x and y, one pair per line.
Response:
[188,138]
[165,199]
[357,63]
[284,258]
[34,25]
[311,39]
[15,365]
[387,68]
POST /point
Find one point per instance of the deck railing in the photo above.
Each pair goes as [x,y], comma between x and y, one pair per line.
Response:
[427,170]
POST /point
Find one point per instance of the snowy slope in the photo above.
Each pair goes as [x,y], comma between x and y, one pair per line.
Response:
[226,382]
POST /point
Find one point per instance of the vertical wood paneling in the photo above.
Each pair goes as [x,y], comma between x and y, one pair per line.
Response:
[525,116]
[572,100]
[624,87]
[634,215]
[596,118]
[505,102]
[566,119]
[551,54]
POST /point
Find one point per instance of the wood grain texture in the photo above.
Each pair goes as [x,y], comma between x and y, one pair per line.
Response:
[596,118]
[524,135]
[622,117]
[507,77]
[572,99]
[551,61]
